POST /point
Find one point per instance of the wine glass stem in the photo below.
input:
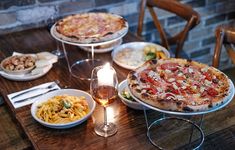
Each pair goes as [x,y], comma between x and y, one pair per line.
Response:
[105,117]
[92,52]
[57,45]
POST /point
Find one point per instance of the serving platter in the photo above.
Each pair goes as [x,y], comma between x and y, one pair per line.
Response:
[134,54]
[228,99]
[71,92]
[75,68]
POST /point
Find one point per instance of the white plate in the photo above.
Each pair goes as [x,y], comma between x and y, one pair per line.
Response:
[72,92]
[138,47]
[103,50]
[132,104]
[25,77]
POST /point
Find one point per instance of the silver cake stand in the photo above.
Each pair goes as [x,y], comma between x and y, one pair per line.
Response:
[194,125]
[77,68]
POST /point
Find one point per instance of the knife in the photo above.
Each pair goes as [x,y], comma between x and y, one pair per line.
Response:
[29,98]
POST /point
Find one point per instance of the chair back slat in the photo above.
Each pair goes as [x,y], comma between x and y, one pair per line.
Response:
[173,6]
[159,27]
[230,51]
[141,18]
[230,34]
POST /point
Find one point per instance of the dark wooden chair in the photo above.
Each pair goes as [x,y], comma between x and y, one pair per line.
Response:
[175,7]
[225,35]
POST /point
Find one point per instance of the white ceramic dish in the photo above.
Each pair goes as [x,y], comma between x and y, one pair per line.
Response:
[132,104]
[25,77]
[105,48]
[73,92]
[17,72]
[137,47]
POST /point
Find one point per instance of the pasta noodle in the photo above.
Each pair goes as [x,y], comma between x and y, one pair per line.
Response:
[63,109]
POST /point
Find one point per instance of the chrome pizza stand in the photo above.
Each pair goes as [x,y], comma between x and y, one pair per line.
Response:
[180,117]
[77,68]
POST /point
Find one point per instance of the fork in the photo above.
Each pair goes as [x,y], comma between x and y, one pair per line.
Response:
[40,88]
[30,98]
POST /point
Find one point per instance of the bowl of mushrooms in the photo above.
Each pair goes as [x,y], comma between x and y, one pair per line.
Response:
[18,64]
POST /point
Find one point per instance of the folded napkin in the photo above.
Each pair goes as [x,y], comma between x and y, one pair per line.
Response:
[26,98]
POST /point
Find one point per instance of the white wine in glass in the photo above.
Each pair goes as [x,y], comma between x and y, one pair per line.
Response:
[103,89]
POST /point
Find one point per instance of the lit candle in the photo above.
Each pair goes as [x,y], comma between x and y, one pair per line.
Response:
[105,75]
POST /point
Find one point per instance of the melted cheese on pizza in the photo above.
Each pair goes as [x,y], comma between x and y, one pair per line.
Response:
[189,82]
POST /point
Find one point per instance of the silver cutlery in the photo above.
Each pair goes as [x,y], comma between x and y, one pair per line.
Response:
[35,89]
[29,98]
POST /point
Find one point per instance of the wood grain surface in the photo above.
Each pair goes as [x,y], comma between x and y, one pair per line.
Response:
[218,126]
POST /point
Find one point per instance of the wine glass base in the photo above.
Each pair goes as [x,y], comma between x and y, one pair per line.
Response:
[58,53]
[106,130]
[82,69]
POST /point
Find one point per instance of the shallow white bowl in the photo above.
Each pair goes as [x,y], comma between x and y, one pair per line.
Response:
[17,72]
[137,47]
[72,92]
[131,104]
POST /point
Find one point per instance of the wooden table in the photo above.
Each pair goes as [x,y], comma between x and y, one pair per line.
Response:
[131,123]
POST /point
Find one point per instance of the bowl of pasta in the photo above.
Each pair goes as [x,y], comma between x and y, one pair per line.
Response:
[64,108]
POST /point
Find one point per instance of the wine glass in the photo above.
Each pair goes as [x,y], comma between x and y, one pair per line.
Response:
[103,88]
[57,51]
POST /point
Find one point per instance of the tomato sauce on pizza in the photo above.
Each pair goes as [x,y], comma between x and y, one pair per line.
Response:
[179,85]
[90,27]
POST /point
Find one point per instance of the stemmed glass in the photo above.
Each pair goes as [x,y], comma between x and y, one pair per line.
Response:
[57,51]
[103,88]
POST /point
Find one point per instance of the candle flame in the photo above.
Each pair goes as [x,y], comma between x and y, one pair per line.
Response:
[105,75]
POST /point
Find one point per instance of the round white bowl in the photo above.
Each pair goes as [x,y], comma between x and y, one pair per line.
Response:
[72,92]
[137,47]
[129,103]
[16,72]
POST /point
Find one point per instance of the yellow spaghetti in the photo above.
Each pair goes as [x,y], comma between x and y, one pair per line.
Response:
[63,109]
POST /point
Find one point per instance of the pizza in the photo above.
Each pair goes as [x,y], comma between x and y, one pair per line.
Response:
[90,27]
[179,85]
